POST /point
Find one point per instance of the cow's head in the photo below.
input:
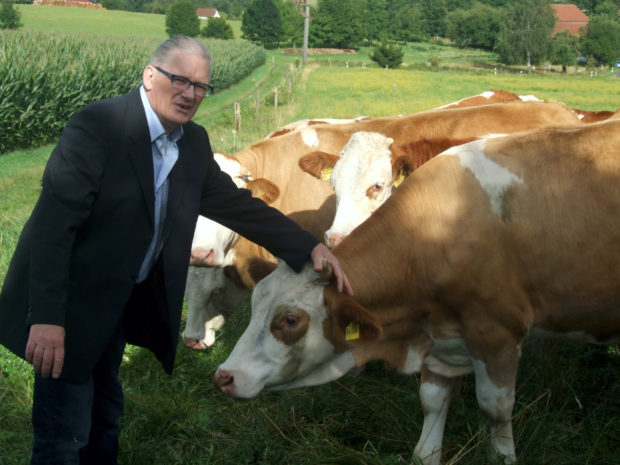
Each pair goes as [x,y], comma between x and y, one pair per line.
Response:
[211,297]
[300,334]
[363,178]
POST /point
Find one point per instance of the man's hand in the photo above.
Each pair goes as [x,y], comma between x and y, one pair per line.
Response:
[320,253]
[45,349]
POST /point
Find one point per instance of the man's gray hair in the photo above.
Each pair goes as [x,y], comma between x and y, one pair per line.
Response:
[164,52]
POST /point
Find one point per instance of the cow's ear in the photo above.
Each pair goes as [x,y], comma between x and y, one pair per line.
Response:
[318,164]
[351,324]
[259,268]
[406,158]
[354,323]
[263,189]
[231,272]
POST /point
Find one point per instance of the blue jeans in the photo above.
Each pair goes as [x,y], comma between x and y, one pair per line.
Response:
[78,424]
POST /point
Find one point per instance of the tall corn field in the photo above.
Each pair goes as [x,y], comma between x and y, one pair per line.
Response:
[46,78]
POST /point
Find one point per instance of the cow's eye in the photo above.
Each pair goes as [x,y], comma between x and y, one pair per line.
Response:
[289,321]
[378,186]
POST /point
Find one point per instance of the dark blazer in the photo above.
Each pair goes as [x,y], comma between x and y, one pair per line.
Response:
[79,254]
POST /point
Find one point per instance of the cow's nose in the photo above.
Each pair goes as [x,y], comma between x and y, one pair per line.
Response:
[195,344]
[333,240]
[225,381]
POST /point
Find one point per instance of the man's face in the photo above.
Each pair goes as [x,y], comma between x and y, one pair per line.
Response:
[175,107]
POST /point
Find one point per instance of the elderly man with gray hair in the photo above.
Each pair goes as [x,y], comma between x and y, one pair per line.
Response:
[103,258]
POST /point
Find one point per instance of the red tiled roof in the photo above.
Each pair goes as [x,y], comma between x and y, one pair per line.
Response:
[205,12]
[569,17]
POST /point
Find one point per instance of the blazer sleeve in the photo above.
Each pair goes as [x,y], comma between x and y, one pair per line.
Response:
[70,184]
[223,202]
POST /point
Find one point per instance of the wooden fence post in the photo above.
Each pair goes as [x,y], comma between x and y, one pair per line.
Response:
[237,116]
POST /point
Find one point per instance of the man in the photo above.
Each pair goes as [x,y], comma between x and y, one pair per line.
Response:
[103,258]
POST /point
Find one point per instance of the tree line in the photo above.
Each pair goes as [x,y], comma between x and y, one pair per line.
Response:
[520,31]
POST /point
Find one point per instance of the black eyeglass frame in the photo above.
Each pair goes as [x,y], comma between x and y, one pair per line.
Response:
[207,88]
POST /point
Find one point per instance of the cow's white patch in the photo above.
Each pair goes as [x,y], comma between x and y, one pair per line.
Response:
[435,401]
[329,371]
[493,177]
[497,403]
[413,364]
[310,137]
[529,98]
[365,164]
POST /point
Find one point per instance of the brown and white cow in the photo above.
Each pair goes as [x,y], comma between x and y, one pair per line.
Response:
[370,166]
[232,265]
[487,244]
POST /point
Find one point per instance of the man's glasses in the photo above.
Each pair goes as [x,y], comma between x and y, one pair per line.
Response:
[182,83]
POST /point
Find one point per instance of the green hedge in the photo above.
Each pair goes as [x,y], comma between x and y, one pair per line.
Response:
[47,78]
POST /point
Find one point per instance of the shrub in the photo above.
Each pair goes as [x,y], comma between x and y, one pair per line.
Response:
[181,19]
[217,28]
[389,55]
[9,16]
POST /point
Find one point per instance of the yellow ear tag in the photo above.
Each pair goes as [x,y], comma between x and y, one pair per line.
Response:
[352,331]
[399,179]
[326,174]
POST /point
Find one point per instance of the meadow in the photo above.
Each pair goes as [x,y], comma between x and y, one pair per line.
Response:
[567,410]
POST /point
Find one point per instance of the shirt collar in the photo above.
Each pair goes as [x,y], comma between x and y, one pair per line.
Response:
[156,129]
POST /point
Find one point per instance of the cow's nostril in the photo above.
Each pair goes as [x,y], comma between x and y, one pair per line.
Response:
[224,380]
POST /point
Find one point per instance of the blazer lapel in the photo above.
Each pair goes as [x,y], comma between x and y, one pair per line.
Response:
[140,151]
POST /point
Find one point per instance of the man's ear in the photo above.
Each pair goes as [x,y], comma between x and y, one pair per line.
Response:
[147,77]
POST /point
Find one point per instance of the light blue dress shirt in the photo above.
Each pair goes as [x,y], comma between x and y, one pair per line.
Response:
[165,155]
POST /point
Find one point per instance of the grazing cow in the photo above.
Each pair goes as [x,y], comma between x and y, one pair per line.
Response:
[489,243]
[209,293]
[235,264]
[367,172]
[485,98]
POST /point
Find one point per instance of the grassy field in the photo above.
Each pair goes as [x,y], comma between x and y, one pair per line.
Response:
[567,410]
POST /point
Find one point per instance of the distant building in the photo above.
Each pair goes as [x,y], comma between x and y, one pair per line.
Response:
[569,17]
[206,13]
[72,3]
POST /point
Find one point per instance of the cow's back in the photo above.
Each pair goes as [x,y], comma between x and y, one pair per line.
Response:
[528,225]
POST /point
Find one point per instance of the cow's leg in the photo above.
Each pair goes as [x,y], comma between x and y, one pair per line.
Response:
[496,400]
[435,398]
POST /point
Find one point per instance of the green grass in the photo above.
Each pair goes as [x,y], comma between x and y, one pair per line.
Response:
[567,410]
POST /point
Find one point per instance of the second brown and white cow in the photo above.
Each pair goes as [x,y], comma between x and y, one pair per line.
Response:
[487,244]
[370,166]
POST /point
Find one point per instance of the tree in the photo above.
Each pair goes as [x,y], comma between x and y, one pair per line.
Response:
[376,20]
[387,55]
[337,24]
[10,17]
[434,17]
[602,39]
[217,28]
[477,27]
[408,24]
[565,49]
[292,22]
[526,34]
[181,19]
[261,22]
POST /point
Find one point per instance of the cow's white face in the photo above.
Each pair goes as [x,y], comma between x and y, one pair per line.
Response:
[211,243]
[362,179]
[285,344]
[211,298]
